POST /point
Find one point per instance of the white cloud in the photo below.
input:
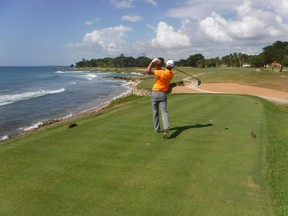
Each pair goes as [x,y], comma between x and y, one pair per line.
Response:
[212,28]
[122,3]
[166,42]
[91,22]
[250,24]
[112,39]
[248,28]
[151,27]
[285,4]
[167,37]
[153,2]
[131,18]
[199,9]
[219,27]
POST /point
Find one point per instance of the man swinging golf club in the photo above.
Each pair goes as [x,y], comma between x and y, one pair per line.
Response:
[158,95]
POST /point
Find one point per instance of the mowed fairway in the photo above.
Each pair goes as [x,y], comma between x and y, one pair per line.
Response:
[115,164]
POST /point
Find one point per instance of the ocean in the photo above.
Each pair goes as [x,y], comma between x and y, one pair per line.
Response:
[33,96]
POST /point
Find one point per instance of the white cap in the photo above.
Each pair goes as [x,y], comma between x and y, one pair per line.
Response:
[170,63]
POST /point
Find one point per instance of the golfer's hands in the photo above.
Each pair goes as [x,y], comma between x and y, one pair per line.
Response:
[156,60]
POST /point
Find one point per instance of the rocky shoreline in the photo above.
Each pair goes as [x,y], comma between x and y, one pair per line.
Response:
[132,83]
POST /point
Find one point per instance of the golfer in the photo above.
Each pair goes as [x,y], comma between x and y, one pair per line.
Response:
[159,91]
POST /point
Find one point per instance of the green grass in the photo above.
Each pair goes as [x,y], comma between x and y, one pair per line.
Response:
[227,155]
[266,79]
[114,163]
[277,156]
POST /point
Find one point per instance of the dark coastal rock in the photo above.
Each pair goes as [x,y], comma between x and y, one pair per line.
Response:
[253,135]
[72,125]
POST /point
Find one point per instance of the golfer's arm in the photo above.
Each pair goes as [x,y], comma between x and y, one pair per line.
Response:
[149,68]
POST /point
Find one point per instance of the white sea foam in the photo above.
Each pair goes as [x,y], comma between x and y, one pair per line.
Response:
[9,99]
[68,116]
[127,83]
[137,73]
[4,138]
[31,127]
[91,76]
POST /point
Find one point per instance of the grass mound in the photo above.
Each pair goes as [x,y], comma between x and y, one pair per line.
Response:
[114,163]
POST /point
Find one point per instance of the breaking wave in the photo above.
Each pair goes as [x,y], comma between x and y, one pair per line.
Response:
[91,76]
[12,98]
[31,127]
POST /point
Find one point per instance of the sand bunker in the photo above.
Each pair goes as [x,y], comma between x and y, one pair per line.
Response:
[234,88]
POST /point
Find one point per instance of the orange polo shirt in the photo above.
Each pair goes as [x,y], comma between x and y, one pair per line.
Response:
[164,78]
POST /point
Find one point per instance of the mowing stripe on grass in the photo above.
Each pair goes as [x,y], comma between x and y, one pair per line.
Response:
[115,164]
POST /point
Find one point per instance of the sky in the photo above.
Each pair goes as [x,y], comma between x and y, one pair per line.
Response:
[63,32]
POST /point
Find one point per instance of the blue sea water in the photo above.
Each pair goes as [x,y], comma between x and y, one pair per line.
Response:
[31,96]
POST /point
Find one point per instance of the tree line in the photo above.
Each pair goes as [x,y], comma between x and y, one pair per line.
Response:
[277,53]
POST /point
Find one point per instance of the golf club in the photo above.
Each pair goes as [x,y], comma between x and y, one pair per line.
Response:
[199,81]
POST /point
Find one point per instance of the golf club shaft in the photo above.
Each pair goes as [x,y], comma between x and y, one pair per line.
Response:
[186,73]
[199,81]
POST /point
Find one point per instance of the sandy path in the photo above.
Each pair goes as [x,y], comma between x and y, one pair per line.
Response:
[234,88]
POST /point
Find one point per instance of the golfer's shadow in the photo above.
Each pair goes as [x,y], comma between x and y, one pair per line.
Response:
[179,130]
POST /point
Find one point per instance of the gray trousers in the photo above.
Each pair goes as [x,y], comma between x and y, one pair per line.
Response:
[159,100]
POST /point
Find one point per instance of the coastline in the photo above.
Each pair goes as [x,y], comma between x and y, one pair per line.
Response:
[132,83]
